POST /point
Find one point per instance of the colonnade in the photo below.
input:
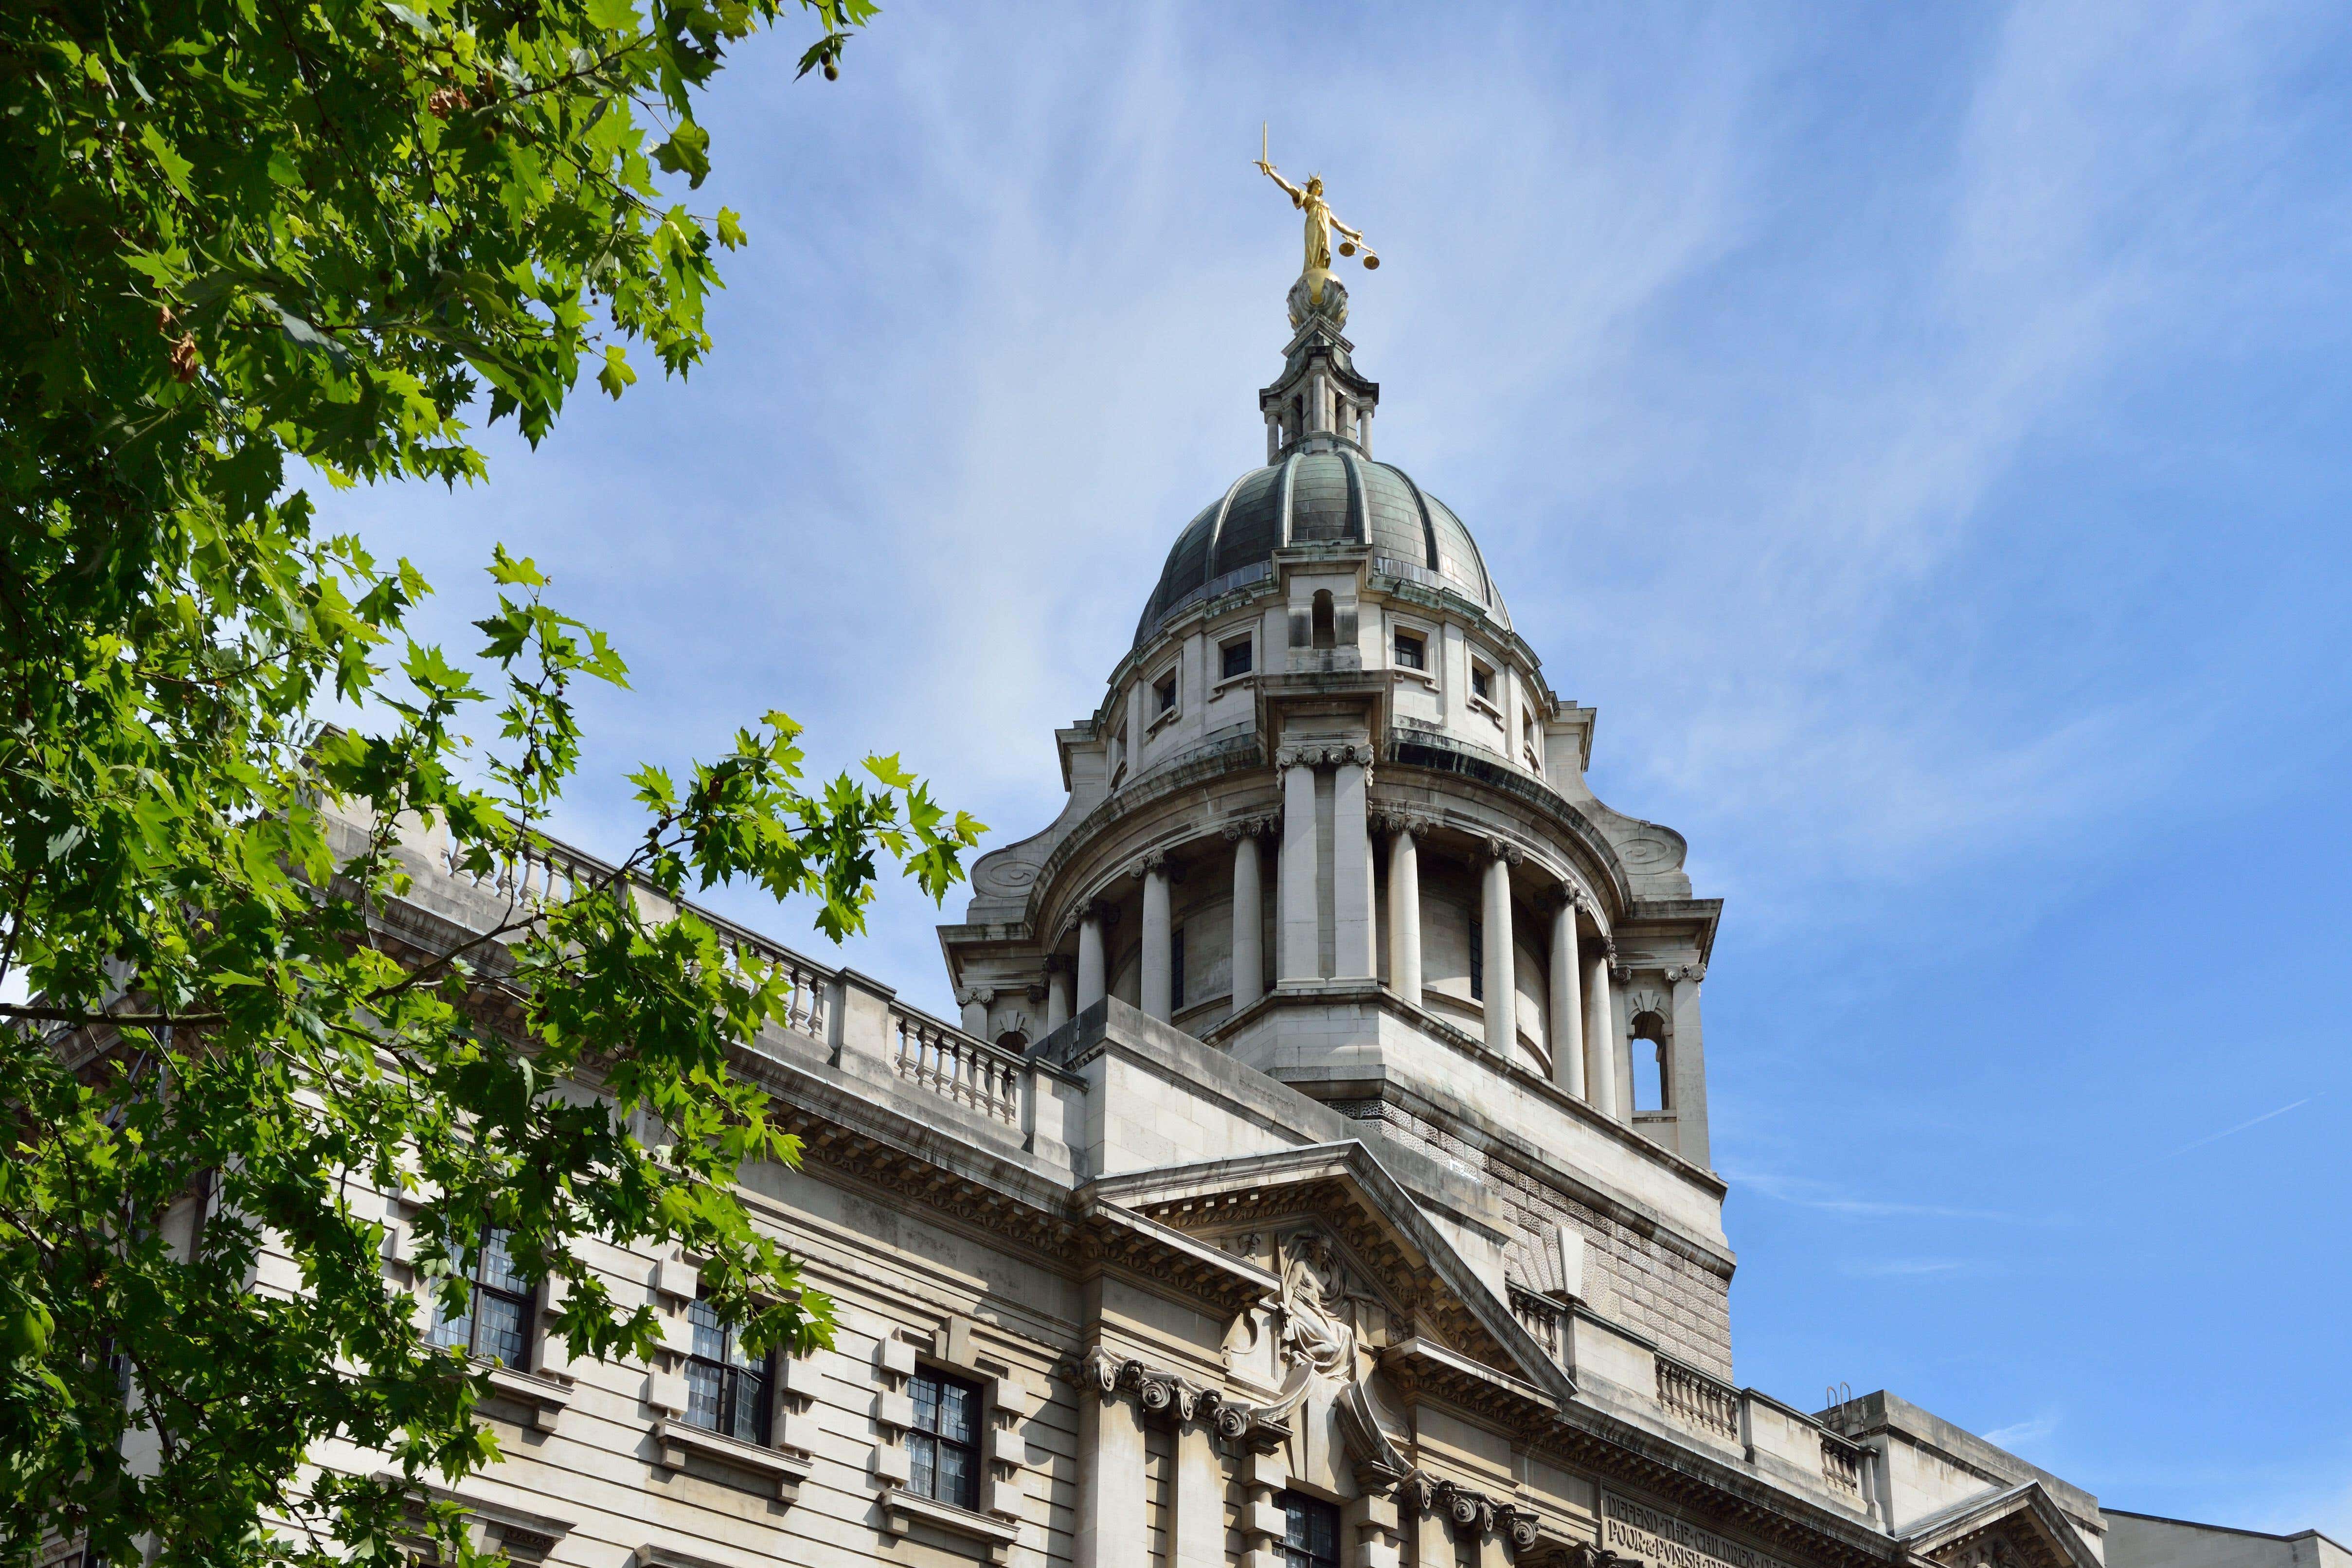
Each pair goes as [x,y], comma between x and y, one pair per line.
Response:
[1580,1025]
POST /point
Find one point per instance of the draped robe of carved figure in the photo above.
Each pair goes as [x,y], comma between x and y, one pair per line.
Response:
[1319,221]
[1310,1332]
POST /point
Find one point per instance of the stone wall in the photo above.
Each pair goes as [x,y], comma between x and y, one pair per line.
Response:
[1631,1276]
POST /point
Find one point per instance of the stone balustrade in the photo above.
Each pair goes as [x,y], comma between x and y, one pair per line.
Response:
[1841,1466]
[1697,1401]
[957,1066]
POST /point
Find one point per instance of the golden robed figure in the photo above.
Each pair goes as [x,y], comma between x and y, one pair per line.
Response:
[1319,219]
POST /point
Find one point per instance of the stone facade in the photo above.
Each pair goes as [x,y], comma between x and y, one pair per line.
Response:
[1317,1173]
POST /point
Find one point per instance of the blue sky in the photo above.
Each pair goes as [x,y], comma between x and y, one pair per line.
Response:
[1921,431]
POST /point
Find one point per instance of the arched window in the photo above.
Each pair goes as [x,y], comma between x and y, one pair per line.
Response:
[1012,1040]
[1325,635]
[1652,1082]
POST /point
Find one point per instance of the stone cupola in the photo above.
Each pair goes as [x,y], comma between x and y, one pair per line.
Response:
[1330,819]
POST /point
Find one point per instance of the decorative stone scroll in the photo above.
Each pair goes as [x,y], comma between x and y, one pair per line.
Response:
[1678,972]
[1257,826]
[1323,754]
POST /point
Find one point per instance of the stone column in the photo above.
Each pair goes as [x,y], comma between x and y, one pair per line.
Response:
[1157,942]
[1273,436]
[1404,911]
[1110,1481]
[1353,927]
[1093,983]
[1371,1526]
[1058,993]
[1502,996]
[1298,958]
[1600,1040]
[1249,915]
[1687,1093]
[1364,428]
[1567,999]
[976,1004]
[1197,1540]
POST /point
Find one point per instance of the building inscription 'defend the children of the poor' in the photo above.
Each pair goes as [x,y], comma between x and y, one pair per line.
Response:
[1665,1541]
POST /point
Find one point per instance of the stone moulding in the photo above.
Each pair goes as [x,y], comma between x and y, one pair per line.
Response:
[675,1439]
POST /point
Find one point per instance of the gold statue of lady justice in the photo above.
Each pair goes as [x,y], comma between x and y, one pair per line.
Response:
[1319,221]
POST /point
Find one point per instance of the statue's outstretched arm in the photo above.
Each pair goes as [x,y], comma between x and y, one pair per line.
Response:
[1356,235]
[1298,197]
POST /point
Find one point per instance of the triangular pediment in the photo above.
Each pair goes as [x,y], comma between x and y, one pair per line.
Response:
[2020,1526]
[1376,1260]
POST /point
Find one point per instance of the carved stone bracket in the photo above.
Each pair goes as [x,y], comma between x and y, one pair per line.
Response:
[1678,972]
[1323,754]
[1155,1391]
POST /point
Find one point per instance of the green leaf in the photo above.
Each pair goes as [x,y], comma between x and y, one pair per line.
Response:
[686,152]
[176,167]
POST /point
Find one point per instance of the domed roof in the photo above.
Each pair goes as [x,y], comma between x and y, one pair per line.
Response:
[1331,494]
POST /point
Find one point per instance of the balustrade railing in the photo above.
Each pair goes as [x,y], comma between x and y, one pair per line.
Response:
[1697,1401]
[1539,1317]
[1841,1466]
[951,1063]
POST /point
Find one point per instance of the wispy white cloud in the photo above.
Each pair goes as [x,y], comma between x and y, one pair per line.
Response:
[1807,1191]
[1912,1268]
[2023,1436]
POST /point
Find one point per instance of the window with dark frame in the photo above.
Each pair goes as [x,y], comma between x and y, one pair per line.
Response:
[495,1324]
[1412,651]
[943,1448]
[1477,959]
[1165,690]
[1310,1533]
[725,1387]
[1176,967]
[1481,683]
[1235,658]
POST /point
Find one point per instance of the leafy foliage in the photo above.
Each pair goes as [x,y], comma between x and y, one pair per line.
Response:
[238,232]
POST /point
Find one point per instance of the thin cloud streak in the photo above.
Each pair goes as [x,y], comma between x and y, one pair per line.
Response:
[2241,1127]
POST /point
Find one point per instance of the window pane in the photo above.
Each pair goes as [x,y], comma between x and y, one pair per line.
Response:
[925,1391]
[956,1411]
[1408,652]
[501,1336]
[704,1392]
[1236,659]
[923,1460]
[751,1406]
[958,1485]
[710,1334]
[452,1333]
[498,1266]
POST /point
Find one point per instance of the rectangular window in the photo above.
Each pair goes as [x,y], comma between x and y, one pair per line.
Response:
[726,1389]
[1176,967]
[1477,959]
[1482,681]
[1310,1533]
[496,1325]
[1412,651]
[1164,690]
[1235,658]
[943,1449]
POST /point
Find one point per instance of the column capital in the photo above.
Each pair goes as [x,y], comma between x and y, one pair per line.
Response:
[1678,972]
[1151,860]
[1254,825]
[1566,898]
[981,995]
[1400,819]
[1503,850]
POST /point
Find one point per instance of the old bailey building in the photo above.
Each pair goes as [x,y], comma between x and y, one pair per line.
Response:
[1317,1176]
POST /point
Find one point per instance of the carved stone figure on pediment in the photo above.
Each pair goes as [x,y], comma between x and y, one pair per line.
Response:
[1983,1552]
[1312,1331]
